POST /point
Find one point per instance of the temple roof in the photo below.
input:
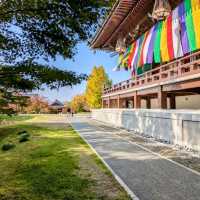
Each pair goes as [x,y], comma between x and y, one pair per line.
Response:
[124,17]
[118,13]
[57,103]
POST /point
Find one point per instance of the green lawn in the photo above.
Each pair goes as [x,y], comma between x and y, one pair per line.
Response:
[14,117]
[54,165]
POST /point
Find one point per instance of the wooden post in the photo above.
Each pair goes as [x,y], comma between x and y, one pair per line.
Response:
[111,103]
[121,103]
[137,101]
[162,99]
[172,101]
[126,105]
[118,101]
[148,101]
[108,102]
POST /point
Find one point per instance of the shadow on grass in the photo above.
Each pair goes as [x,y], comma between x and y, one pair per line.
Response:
[48,166]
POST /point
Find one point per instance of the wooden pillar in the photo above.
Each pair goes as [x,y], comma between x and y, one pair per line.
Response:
[121,103]
[118,101]
[137,101]
[148,101]
[126,103]
[108,102]
[172,101]
[162,99]
[111,103]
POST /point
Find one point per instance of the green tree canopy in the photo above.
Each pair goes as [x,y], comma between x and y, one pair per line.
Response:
[42,29]
[35,28]
[95,85]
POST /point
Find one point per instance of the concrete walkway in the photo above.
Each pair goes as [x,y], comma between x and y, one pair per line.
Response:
[147,175]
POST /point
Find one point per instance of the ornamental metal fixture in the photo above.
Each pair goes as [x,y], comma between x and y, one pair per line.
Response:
[121,45]
[161,9]
[136,31]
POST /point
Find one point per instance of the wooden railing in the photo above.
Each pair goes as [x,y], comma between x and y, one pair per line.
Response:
[183,67]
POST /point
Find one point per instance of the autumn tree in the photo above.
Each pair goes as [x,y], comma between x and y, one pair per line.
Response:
[95,84]
[79,104]
[40,29]
[6,102]
[37,104]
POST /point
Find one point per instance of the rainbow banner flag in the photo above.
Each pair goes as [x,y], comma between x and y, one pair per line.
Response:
[172,38]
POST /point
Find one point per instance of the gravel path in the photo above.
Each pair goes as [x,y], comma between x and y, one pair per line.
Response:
[147,175]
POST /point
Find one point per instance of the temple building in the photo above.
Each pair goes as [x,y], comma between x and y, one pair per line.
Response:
[57,107]
[158,41]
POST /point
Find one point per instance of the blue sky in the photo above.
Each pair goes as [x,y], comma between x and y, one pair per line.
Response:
[84,61]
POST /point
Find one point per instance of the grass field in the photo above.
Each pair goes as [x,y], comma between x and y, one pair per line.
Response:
[14,117]
[54,165]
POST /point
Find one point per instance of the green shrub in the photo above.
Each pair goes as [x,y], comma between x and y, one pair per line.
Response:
[21,132]
[24,137]
[7,146]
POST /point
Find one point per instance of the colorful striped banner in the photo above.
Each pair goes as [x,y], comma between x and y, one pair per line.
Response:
[170,46]
[190,25]
[133,48]
[133,63]
[196,20]
[176,37]
[167,40]
[157,52]
[141,60]
[146,46]
[137,57]
[151,45]
[138,67]
[124,63]
[164,42]
[184,34]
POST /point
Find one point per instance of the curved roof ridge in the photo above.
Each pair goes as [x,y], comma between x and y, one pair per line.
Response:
[119,11]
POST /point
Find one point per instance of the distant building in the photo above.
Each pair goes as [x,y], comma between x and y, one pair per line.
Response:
[57,106]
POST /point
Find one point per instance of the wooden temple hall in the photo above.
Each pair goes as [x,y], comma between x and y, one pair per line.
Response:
[158,41]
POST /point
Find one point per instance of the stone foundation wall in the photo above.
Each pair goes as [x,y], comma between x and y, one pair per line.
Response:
[179,127]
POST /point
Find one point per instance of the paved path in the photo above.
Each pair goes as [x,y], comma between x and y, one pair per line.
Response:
[147,175]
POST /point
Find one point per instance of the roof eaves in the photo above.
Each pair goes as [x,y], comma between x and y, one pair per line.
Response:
[138,5]
[104,23]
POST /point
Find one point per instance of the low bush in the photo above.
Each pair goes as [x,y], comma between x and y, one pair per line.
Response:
[8,146]
[21,132]
[24,137]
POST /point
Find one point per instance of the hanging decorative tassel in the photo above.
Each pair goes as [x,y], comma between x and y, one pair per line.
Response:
[161,9]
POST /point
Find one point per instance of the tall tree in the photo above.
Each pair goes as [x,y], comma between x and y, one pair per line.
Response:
[95,85]
[33,29]
[79,104]
[37,104]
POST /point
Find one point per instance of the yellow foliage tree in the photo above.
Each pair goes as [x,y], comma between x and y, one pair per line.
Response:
[95,84]
[79,104]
